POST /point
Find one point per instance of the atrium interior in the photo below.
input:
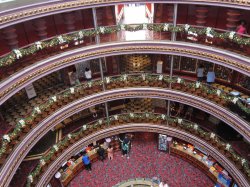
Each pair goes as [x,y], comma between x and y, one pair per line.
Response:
[163,88]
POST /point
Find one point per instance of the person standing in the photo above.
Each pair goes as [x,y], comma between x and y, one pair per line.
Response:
[200,73]
[210,76]
[86,162]
[125,146]
[101,153]
[241,29]
[88,74]
[110,152]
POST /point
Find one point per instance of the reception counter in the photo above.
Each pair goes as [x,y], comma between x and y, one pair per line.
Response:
[70,172]
[198,160]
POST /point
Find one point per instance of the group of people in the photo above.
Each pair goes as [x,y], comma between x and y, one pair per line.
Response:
[125,147]
[101,153]
[210,74]
[188,113]
[74,77]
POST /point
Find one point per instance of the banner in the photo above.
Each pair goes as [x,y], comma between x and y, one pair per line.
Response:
[30,90]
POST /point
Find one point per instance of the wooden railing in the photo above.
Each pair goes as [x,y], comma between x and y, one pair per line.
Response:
[132,118]
[41,111]
[23,57]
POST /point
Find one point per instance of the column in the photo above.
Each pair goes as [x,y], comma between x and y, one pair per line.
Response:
[100,61]
[232,19]
[40,28]
[11,37]
[173,38]
[170,13]
[69,21]
[158,13]
[109,15]
[201,15]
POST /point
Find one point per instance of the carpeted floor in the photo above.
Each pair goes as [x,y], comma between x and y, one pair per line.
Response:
[145,161]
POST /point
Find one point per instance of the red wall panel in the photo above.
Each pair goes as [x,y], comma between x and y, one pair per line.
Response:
[212,16]
[78,20]
[51,27]
[21,35]
[182,14]
[4,48]
[191,15]
[30,32]
[60,26]
[87,18]
[221,18]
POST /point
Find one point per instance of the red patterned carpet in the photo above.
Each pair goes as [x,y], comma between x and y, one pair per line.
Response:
[146,162]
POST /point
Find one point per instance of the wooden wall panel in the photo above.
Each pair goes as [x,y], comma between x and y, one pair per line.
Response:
[182,14]
[78,20]
[21,35]
[87,18]
[51,27]
[3,45]
[212,16]
[30,32]
[221,18]
[60,26]
[191,15]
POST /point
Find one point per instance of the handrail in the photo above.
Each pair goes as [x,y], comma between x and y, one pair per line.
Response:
[184,124]
[19,152]
[77,36]
[24,13]
[119,79]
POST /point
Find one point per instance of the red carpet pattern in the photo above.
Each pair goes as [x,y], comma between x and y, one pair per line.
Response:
[145,162]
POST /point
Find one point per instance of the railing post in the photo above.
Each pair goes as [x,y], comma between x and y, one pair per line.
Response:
[173,38]
[97,38]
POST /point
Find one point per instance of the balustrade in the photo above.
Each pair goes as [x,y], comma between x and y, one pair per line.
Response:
[10,63]
[132,118]
[63,98]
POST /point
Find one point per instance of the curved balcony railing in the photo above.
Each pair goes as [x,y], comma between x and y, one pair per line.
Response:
[18,153]
[19,80]
[26,10]
[207,36]
[134,80]
[178,123]
[132,118]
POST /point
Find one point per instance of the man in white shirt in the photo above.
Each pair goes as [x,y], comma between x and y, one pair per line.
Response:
[88,74]
[210,76]
[200,73]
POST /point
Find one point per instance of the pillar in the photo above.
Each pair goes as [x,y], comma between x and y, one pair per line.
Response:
[11,37]
[108,15]
[69,21]
[170,13]
[233,17]
[40,28]
[158,13]
[201,15]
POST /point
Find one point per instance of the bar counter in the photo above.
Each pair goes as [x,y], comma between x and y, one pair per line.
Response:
[196,160]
